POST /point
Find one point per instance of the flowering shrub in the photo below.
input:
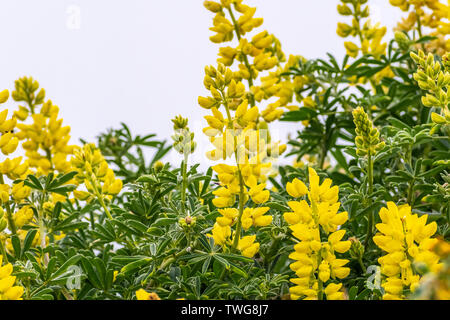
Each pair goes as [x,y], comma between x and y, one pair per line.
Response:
[362,213]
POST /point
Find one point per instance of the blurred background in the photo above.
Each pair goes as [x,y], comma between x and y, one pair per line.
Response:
[141,61]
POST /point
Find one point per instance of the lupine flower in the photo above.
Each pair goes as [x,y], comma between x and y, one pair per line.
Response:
[407,239]
[233,133]
[45,139]
[260,53]
[434,77]
[316,262]
[370,36]
[93,170]
[423,16]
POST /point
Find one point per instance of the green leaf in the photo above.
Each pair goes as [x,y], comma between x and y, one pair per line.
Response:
[73,260]
[33,182]
[28,240]
[131,267]
[15,241]
[164,222]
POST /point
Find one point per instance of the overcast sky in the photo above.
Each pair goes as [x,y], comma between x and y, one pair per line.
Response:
[141,61]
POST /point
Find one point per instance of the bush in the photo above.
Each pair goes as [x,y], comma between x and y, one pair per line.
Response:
[362,213]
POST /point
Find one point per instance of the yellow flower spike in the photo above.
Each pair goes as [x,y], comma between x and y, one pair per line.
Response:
[406,238]
[88,162]
[315,260]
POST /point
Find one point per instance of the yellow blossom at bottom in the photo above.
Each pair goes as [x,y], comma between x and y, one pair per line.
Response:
[7,289]
[141,294]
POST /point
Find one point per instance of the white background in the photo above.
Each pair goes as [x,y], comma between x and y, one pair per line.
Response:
[141,61]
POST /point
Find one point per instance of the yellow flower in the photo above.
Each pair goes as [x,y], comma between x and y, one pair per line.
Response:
[228,217]
[45,139]
[141,294]
[255,217]
[20,191]
[406,238]
[296,188]
[220,234]
[224,198]
[23,216]
[352,49]
[258,194]
[4,96]
[315,259]
[248,246]
[7,289]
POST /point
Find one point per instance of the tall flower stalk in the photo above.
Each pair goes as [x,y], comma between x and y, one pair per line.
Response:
[367,145]
[317,226]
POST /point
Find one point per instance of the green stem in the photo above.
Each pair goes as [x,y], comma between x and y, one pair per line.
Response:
[100,198]
[361,264]
[410,199]
[272,249]
[184,182]
[370,191]
[148,283]
[320,290]
[241,210]
[42,231]
[241,180]
[102,203]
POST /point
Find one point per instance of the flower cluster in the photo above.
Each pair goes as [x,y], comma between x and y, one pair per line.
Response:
[12,168]
[431,14]
[8,291]
[45,139]
[237,134]
[93,170]
[260,53]
[407,240]
[368,137]
[370,36]
[434,77]
[316,263]
[183,138]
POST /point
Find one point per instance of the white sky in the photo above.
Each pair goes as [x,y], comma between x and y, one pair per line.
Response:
[141,61]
